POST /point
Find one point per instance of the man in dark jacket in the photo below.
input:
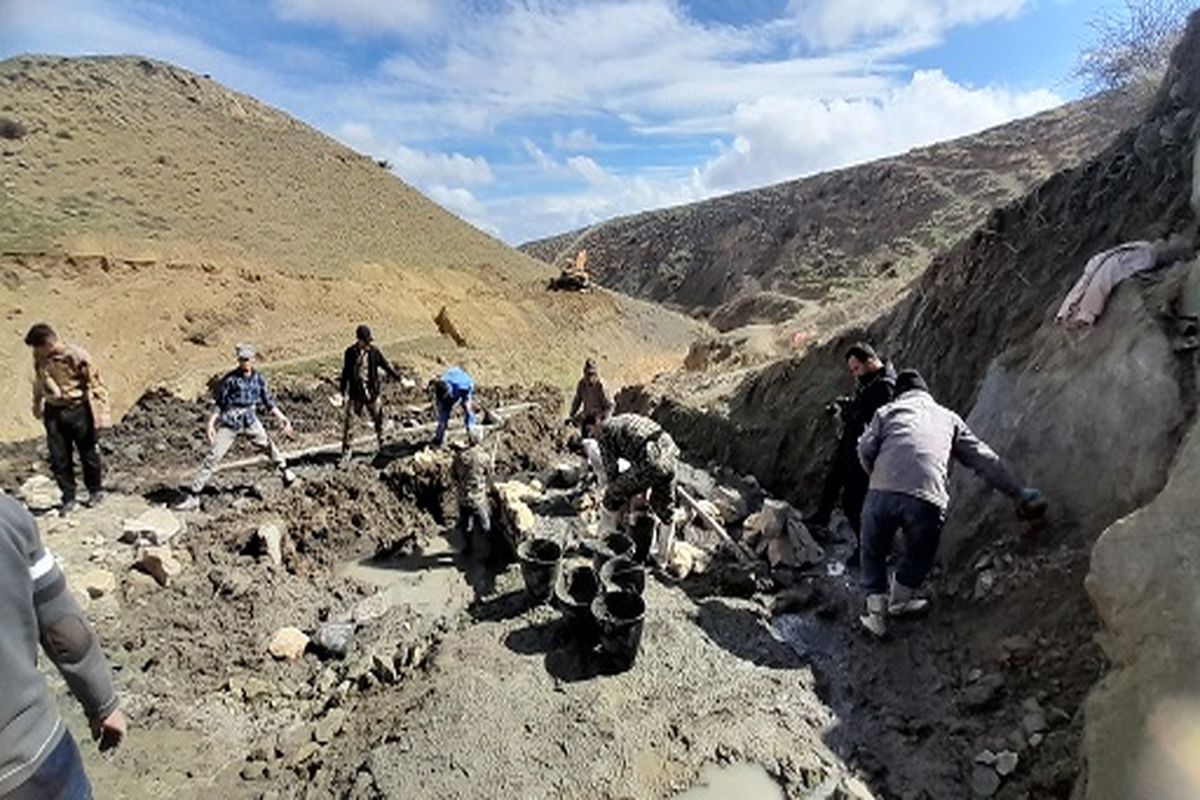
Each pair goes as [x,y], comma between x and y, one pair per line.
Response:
[360,385]
[875,385]
[592,399]
[38,756]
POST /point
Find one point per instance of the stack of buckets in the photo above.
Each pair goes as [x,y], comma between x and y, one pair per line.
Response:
[601,601]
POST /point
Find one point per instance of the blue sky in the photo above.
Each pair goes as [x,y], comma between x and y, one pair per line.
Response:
[531,117]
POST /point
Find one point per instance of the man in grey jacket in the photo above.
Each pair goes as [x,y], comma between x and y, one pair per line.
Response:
[38,756]
[906,449]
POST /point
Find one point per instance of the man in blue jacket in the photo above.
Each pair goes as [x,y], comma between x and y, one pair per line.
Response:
[454,387]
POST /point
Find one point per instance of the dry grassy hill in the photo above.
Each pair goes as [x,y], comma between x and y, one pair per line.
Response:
[800,249]
[158,218]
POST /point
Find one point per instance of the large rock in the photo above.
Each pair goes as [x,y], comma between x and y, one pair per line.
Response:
[1060,408]
[288,644]
[156,526]
[40,493]
[731,504]
[777,533]
[515,516]
[1145,584]
[270,537]
[98,583]
[159,563]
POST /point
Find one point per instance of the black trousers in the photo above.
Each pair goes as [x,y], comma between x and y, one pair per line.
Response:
[70,428]
[845,479]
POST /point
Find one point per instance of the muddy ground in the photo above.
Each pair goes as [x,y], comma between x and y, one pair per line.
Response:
[455,688]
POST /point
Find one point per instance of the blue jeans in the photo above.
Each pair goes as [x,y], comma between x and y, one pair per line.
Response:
[444,410]
[886,513]
[60,776]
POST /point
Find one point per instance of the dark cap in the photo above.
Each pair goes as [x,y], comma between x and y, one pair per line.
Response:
[910,380]
[362,333]
[861,351]
[589,366]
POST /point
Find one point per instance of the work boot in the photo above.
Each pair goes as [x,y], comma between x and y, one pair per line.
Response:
[95,498]
[288,477]
[875,620]
[903,601]
[189,503]
[66,507]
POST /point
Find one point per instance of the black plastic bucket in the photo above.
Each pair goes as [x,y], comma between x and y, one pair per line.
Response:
[540,560]
[620,617]
[574,591]
[611,546]
[641,530]
[623,574]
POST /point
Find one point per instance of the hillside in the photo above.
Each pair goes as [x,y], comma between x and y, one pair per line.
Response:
[792,249]
[1093,612]
[157,218]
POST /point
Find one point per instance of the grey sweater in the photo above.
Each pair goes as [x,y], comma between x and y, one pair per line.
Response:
[35,605]
[908,446]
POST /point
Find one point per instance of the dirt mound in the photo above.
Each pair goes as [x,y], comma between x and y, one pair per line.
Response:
[831,238]
[154,234]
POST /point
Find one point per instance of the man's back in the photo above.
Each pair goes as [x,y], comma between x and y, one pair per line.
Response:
[908,446]
[625,436]
[470,471]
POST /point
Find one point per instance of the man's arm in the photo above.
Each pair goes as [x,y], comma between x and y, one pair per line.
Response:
[65,634]
[971,451]
[607,401]
[269,401]
[387,366]
[577,402]
[39,395]
[870,442]
[97,393]
[347,371]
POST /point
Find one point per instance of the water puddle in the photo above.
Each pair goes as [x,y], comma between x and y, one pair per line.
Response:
[806,635]
[734,782]
[426,582]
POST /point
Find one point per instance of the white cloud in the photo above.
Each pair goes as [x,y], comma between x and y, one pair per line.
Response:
[419,167]
[458,76]
[642,58]
[462,202]
[836,23]
[589,170]
[540,157]
[575,140]
[786,136]
[404,17]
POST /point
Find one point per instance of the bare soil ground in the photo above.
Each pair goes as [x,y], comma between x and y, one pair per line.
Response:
[455,687]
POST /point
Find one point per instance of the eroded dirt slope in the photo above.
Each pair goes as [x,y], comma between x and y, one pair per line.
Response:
[158,218]
[794,249]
